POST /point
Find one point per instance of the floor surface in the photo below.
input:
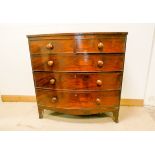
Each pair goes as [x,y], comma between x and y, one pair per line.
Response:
[24,116]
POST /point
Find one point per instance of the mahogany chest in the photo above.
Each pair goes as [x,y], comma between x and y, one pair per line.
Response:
[78,73]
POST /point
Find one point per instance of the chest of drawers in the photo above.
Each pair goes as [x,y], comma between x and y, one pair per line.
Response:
[78,73]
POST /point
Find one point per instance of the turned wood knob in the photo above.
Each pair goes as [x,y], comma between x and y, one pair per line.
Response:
[98,101]
[49,46]
[100,45]
[100,63]
[99,82]
[54,99]
[50,63]
[52,81]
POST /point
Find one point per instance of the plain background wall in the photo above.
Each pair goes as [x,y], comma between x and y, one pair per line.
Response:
[15,67]
[150,86]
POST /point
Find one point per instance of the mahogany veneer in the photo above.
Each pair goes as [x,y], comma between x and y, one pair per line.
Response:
[78,73]
[78,81]
[78,62]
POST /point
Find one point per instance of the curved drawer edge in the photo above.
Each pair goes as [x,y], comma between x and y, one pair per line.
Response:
[81,111]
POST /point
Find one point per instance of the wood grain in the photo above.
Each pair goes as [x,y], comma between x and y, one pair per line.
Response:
[110,45]
[78,62]
[84,75]
[77,99]
[40,47]
[78,81]
[105,34]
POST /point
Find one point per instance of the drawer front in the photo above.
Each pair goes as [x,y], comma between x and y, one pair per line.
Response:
[73,99]
[51,46]
[78,62]
[104,45]
[79,81]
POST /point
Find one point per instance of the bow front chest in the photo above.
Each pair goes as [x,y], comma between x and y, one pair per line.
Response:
[78,73]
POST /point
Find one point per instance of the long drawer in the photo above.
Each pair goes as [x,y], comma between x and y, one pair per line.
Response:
[78,81]
[77,99]
[78,62]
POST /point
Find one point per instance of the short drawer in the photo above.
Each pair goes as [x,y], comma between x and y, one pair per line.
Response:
[78,81]
[103,45]
[78,62]
[51,46]
[77,99]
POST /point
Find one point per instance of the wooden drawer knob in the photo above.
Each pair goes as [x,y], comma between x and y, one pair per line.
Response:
[100,45]
[54,99]
[100,63]
[50,63]
[52,81]
[98,101]
[99,82]
[49,46]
